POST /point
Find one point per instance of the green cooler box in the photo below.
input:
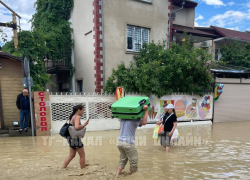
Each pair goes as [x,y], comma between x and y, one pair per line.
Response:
[129,107]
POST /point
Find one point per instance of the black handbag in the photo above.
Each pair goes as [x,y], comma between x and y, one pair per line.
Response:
[64,132]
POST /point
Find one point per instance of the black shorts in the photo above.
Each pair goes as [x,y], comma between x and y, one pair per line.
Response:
[75,143]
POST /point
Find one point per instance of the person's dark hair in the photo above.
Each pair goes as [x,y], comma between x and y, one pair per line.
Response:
[165,105]
[75,109]
[174,111]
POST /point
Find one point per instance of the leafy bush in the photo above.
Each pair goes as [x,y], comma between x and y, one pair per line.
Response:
[160,71]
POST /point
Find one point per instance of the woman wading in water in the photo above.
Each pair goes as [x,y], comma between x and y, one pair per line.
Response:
[76,144]
[170,122]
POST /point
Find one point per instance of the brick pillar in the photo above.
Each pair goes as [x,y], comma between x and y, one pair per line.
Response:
[98,46]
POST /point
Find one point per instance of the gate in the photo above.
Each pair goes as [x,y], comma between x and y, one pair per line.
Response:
[96,108]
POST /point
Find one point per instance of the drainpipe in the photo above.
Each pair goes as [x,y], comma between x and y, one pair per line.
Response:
[72,59]
[169,21]
[103,46]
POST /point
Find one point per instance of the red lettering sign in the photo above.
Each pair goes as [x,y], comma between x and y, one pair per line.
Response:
[42,98]
[42,104]
[41,94]
[43,123]
[42,113]
[43,119]
[42,109]
[43,128]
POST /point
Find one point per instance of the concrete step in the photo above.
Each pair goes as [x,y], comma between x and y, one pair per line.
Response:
[15,132]
[4,131]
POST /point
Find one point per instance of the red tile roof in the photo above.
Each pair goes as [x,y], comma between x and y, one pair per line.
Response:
[232,33]
[192,31]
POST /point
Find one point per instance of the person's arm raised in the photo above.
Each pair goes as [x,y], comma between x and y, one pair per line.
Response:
[145,117]
[77,123]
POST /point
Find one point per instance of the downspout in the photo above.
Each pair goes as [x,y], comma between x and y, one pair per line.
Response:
[103,47]
[169,21]
[72,58]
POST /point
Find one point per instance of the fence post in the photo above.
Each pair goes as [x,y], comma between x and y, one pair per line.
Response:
[87,107]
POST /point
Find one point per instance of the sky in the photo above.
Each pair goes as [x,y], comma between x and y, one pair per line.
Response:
[232,14]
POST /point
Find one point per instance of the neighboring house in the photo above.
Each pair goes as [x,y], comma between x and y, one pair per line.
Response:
[107,32]
[11,73]
[222,37]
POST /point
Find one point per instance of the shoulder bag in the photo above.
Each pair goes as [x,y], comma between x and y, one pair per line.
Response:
[161,128]
[76,133]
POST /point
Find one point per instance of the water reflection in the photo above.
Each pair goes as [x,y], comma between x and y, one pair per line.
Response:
[219,151]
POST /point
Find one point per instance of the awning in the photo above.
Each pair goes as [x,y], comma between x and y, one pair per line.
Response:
[196,35]
[216,68]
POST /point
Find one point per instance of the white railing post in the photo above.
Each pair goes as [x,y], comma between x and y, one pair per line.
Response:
[87,107]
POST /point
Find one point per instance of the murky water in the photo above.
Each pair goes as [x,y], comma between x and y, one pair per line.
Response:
[219,151]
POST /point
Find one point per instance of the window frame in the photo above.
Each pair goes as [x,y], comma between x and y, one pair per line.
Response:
[218,54]
[133,37]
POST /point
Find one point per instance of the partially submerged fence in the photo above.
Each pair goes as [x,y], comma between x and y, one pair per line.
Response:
[187,107]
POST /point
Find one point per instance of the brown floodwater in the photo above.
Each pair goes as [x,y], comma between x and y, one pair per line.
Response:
[218,151]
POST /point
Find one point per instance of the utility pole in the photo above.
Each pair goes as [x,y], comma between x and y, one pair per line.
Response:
[30,84]
[13,25]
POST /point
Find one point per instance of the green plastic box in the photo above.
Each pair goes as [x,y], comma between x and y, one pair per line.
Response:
[129,107]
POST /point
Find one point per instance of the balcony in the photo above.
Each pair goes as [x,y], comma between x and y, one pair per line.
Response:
[57,67]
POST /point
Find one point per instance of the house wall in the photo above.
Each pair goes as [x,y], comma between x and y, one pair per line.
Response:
[117,14]
[185,17]
[82,17]
[11,86]
[210,48]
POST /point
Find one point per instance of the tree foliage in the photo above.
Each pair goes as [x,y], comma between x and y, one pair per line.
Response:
[236,54]
[32,45]
[161,71]
[49,39]
[3,36]
[51,18]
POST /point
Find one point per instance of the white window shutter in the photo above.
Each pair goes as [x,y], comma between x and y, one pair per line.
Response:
[145,36]
[130,37]
[137,39]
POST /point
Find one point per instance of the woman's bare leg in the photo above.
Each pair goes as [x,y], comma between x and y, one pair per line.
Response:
[72,154]
[82,157]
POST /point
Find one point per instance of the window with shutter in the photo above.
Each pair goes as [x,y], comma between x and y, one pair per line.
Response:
[136,36]
[130,38]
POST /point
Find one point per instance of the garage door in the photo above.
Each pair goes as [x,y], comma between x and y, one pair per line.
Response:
[233,104]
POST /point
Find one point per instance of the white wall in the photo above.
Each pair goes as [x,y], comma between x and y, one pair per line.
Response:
[184,17]
[82,17]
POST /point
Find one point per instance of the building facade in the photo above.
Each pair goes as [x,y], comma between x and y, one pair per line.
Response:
[108,32]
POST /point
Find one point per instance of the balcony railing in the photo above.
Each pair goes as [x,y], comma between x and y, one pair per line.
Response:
[54,67]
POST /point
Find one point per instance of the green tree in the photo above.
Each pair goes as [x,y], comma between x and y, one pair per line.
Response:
[3,36]
[51,18]
[236,54]
[160,71]
[49,39]
[32,45]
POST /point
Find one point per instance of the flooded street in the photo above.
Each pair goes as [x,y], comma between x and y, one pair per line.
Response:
[218,151]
